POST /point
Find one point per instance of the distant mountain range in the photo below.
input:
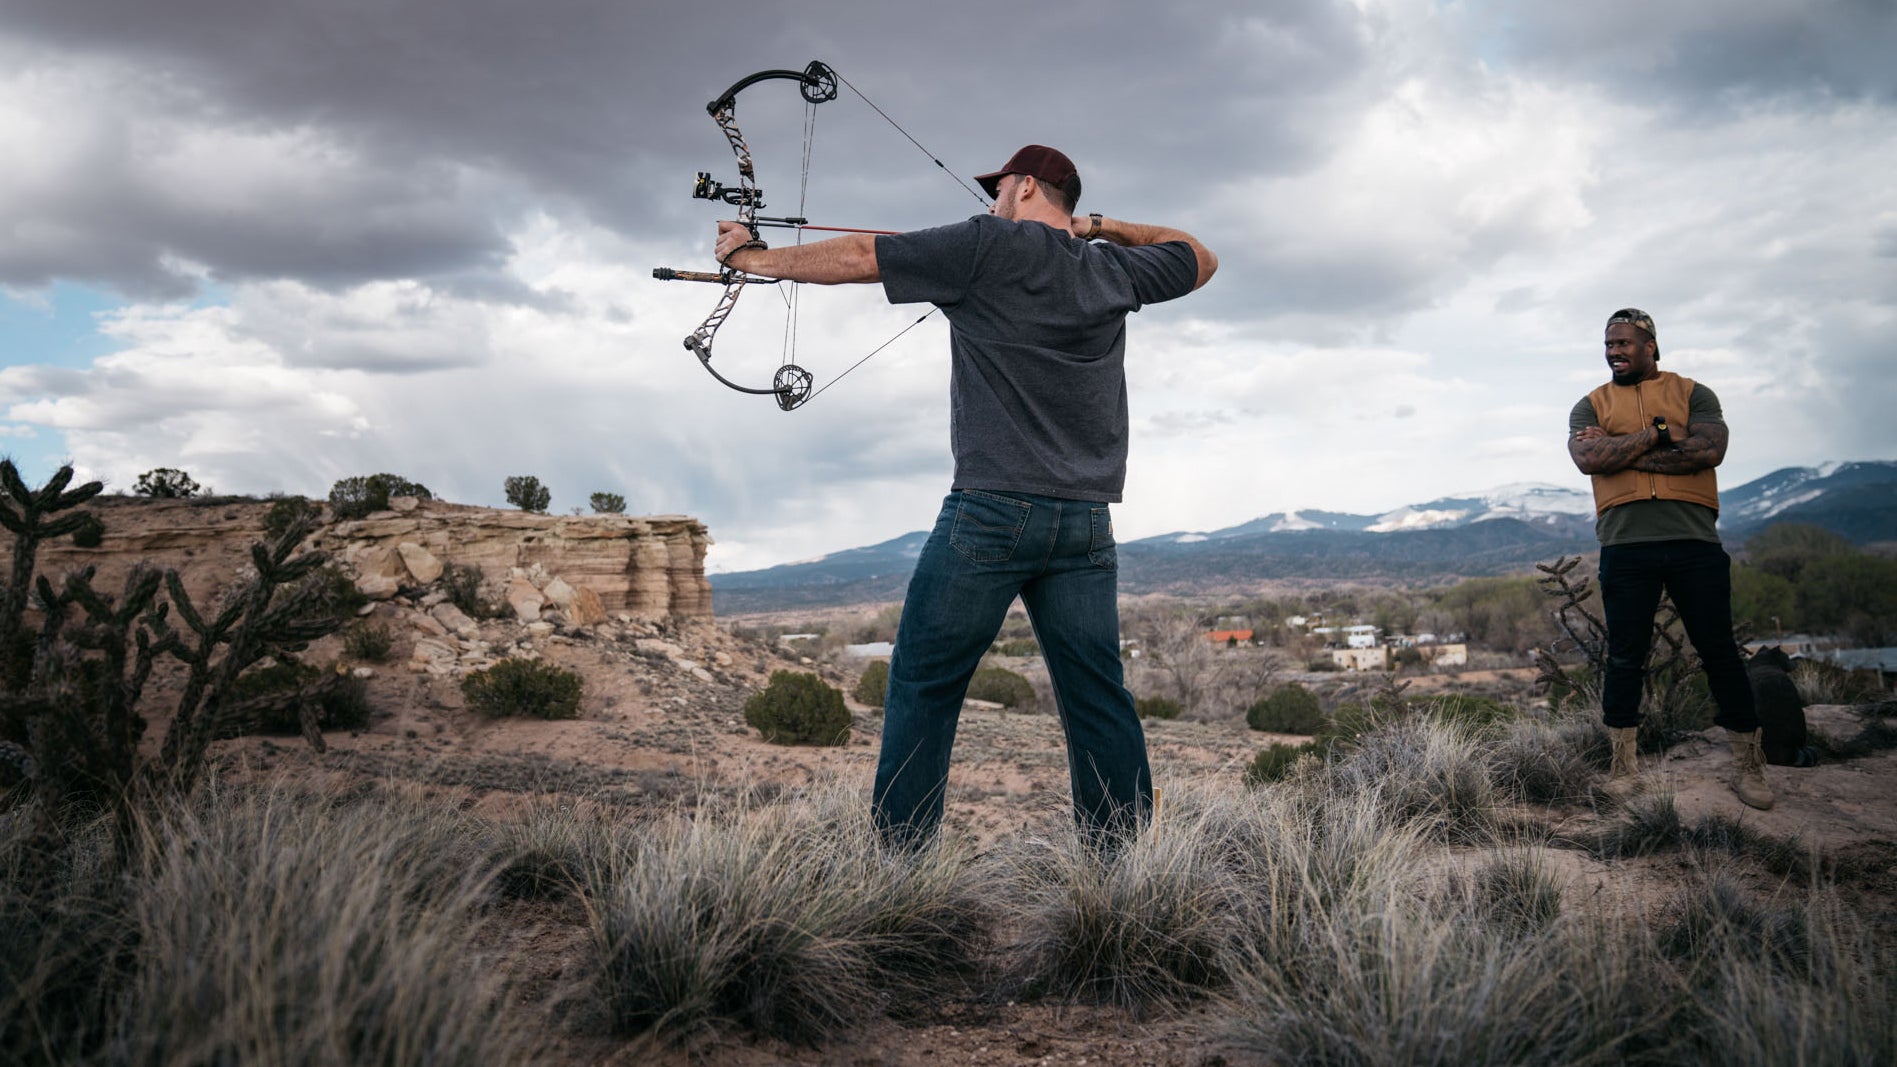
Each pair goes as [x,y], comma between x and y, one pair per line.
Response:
[1504,530]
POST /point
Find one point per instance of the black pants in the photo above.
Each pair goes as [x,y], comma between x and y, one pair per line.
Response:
[1698,576]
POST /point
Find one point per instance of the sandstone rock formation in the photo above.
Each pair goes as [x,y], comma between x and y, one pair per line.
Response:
[649,568]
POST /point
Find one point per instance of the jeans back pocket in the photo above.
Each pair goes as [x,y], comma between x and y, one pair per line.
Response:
[1100,549]
[987,527]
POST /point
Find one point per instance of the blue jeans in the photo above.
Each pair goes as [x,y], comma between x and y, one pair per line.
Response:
[1698,576]
[1058,557]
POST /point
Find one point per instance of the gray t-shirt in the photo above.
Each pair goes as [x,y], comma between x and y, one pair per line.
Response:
[1656,520]
[1037,343]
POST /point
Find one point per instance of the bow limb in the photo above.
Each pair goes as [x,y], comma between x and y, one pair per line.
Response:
[791,386]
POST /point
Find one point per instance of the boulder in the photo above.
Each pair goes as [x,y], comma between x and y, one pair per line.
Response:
[420,562]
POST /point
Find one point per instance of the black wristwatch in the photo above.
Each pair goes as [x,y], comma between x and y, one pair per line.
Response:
[1659,423]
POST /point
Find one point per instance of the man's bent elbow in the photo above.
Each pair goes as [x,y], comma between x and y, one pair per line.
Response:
[1208,264]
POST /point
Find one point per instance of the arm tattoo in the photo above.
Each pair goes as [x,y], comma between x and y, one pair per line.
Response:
[1606,455]
[1704,448]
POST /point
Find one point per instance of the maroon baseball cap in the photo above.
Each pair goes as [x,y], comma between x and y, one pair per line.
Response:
[1041,163]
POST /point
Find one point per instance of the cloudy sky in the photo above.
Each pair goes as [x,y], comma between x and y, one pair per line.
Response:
[279,244]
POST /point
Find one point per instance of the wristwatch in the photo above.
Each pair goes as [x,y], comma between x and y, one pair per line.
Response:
[1093,231]
[1666,437]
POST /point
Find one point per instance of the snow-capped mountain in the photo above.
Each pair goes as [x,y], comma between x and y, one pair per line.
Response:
[1501,530]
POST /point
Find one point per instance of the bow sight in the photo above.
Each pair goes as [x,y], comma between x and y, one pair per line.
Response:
[737,196]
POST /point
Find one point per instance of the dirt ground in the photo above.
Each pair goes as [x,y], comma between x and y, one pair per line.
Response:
[662,723]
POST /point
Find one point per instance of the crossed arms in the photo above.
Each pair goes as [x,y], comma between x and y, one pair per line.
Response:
[1595,451]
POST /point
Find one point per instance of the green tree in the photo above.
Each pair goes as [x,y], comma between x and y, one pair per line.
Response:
[165,483]
[1784,548]
[607,503]
[1762,602]
[363,494]
[525,492]
[1854,595]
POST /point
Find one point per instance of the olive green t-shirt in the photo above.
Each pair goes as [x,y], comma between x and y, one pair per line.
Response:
[1656,520]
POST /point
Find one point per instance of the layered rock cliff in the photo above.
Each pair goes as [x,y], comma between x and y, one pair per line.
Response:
[648,567]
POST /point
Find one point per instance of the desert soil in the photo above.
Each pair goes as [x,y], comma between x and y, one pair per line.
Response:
[662,723]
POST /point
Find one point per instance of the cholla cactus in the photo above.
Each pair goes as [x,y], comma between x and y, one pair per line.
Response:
[70,715]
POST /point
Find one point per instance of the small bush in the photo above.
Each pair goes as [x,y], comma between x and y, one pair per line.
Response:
[362,495]
[1321,665]
[607,503]
[1273,763]
[287,511]
[1157,708]
[874,683]
[524,687]
[274,695]
[165,483]
[525,492]
[1291,710]
[799,709]
[91,532]
[368,640]
[463,583]
[1018,646]
[999,685]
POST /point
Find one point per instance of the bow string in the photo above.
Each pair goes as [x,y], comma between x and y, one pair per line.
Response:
[817,84]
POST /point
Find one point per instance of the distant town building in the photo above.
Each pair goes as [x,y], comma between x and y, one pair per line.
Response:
[870,650]
[1229,637]
[1374,658]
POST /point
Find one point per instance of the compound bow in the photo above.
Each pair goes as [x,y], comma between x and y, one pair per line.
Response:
[818,84]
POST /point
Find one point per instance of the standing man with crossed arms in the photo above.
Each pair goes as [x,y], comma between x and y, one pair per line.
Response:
[1649,439]
[1036,298]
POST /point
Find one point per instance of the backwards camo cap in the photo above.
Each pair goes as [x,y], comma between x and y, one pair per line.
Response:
[1635,317]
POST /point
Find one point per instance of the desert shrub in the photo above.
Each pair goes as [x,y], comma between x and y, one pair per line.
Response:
[524,687]
[1650,823]
[1272,763]
[999,685]
[1157,707]
[368,640]
[289,510]
[1322,665]
[337,591]
[360,495]
[464,584]
[797,708]
[269,699]
[165,483]
[873,685]
[1293,709]
[525,492]
[607,503]
[91,532]
[1017,646]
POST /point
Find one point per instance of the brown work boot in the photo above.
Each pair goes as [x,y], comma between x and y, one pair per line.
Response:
[1624,775]
[1748,763]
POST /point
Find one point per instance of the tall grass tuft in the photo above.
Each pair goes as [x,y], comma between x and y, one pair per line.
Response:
[1549,763]
[789,921]
[274,930]
[250,926]
[1150,924]
[1424,771]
